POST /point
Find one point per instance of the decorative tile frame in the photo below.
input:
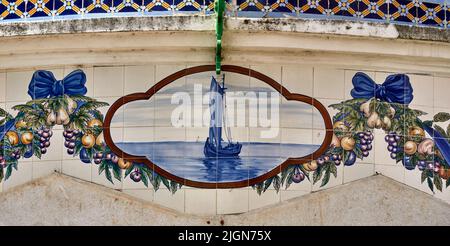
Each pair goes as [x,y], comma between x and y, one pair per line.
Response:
[411,12]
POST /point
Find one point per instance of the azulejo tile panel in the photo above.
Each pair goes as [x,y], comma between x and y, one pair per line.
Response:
[378,116]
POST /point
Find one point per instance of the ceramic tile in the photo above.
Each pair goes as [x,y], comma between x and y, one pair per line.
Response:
[273,71]
[413,179]
[267,198]
[328,83]
[45,168]
[162,71]
[2,87]
[108,81]
[349,74]
[139,78]
[77,169]
[200,201]
[17,85]
[358,171]
[233,201]
[146,195]
[292,194]
[173,201]
[118,118]
[441,88]
[396,172]
[423,88]
[22,175]
[298,79]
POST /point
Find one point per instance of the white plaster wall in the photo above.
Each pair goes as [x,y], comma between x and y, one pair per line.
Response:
[324,75]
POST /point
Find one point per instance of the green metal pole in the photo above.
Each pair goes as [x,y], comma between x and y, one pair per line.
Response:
[219,8]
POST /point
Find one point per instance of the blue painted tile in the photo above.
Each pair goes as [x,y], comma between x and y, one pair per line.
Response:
[157,5]
[12,9]
[313,6]
[251,5]
[344,7]
[67,7]
[285,6]
[402,11]
[39,8]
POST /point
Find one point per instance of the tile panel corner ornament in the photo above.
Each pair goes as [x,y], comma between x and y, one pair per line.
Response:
[412,142]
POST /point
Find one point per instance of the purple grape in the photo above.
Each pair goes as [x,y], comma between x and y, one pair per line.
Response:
[365,153]
[369,147]
[387,138]
[136,175]
[397,138]
[70,151]
[337,162]
[390,148]
[391,139]
[366,137]
[363,141]
[430,166]
[42,139]
[46,130]
[394,144]
[97,161]
[66,144]
[39,132]
[47,144]
[45,135]
[363,147]
[71,145]
[108,156]
[361,134]
[43,150]
[393,155]
[394,150]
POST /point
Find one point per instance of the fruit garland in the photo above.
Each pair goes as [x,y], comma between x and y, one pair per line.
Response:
[63,103]
[382,107]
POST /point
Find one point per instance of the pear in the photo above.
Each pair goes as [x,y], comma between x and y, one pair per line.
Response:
[386,123]
[378,124]
[71,105]
[62,118]
[365,107]
[51,118]
[373,120]
[391,112]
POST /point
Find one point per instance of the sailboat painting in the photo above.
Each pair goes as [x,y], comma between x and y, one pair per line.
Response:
[200,139]
[214,145]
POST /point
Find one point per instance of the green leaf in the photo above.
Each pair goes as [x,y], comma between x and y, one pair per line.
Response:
[423,177]
[156,182]
[173,186]
[102,167]
[1,174]
[285,173]
[129,170]
[430,184]
[438,182]
[108,174]
[8,172]
[317,175]
[277,183]
[267,184]
[333,170]
[441,117]
[117,172]
[144,178]
[304,172]
[326,178]
[165,182]
[447,183]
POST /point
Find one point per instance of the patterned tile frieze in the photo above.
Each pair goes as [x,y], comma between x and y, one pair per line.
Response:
[411,12]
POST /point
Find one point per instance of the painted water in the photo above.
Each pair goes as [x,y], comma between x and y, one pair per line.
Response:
[186,159]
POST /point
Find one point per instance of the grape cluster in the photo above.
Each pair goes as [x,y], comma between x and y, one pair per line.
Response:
[392,139]
[98,157]
[136,175]
[15,154]
[422,165]
[70,137]
[44,139]
[337,158]
[365,140]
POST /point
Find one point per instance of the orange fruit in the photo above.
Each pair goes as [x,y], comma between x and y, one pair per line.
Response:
[124,164]
[94,122]
[26,138]
[88,141]
[13,138]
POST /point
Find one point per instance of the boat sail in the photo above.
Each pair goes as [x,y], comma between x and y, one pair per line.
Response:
[215,146]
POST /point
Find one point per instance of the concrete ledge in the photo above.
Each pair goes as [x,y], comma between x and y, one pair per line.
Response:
[377,200]
[206,23]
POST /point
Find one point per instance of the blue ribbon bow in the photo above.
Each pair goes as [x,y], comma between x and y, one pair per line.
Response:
[396,88]
[440,142]
[43,84]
